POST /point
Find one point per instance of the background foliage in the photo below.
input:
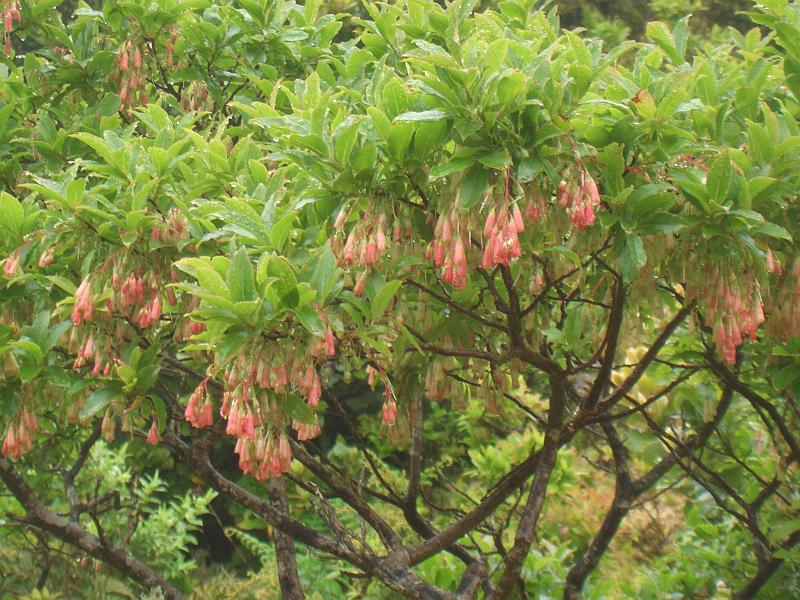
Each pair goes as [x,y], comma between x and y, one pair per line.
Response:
[201,199]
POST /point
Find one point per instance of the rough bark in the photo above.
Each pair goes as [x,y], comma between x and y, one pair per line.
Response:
[526,530]
[288,577]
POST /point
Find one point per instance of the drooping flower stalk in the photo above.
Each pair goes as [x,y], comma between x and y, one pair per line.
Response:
[10,14]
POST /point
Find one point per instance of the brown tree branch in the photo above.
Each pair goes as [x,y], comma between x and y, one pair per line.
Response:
[766,571]
[41,517]
[627,491]
[393,569]
[730,378]
[351,496]
[286,561]
[72,473]
[455,305]
[611,342]
[646,361]
[526,529]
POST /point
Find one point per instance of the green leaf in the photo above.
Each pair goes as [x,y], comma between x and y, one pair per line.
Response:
[285,286]
[313,142]
[12,214]
[324,273]
[646,199]
[660,34]
[230,344]
[659,223]
[160,411]
[383,298]
[345,141]
[499,159]
[29,347]
[64,283]
[395,99]
[782,529]
[614,161]
[243,219]
[400,135]
[296,409]
[54,334]
[719,178]
[98,400]
[241,279]
[786,376]
[633,257]
[207,276]
[528,169]
[424,115]
[380,122]
[147,376]
[110,156]
[693,190]
[774,231]
[280,231]
[74,192]
[451,166]
[311,320]
[473,186]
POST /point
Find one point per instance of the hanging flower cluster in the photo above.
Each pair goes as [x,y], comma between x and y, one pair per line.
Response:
[196,98]
[258,384]
[200,410]
[733,306]
[266,456]
[137,297]
[133,293]
[47,257]
[501,230]
[170,48]
[580,200]
[784,322]
[448,248]
[152,435]
[437,384]
[323,347]
[173,229]
[536,210]
[367,243]
[12,268]
[83,309]
[503,225]
[389,409]
[130,76]
[491,384]
[19,434]
[102,353]
[11,13]
[494,386]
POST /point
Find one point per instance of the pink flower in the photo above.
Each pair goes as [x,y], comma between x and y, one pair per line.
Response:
[518,220]
[152,435]
[11,267]
[389,411]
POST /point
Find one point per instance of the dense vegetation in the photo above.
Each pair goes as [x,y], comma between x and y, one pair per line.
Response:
[424,300]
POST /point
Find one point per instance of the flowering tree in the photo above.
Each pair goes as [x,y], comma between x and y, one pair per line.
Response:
[219,217]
